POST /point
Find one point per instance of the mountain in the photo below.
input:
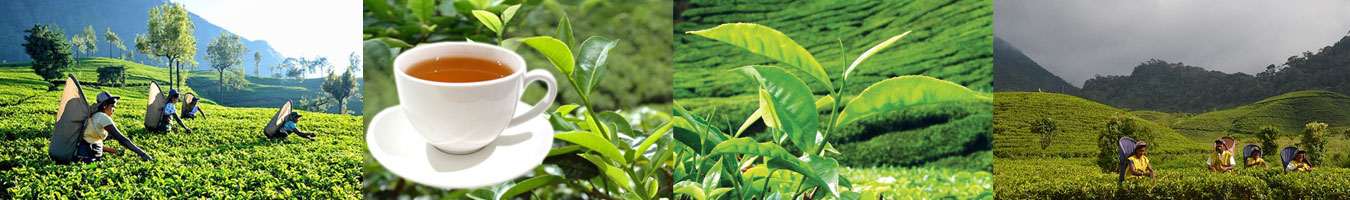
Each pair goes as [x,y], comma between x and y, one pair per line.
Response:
[1177,87]
[126,18]
[1014,71]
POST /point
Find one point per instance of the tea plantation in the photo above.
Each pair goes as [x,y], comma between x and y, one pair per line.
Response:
[225,157]
[1066,169]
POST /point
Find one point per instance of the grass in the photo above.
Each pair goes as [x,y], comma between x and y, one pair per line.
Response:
[225,157]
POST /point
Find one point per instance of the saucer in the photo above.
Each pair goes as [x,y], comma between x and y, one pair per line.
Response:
[396,145]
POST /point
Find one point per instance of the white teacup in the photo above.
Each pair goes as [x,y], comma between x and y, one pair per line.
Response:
[461,118]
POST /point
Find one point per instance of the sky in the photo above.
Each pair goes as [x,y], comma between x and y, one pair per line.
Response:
[1078,39]
[296,28]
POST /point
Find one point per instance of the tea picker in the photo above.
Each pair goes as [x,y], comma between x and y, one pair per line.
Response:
[159,110]
[80,129]
[190,108]
[283,124]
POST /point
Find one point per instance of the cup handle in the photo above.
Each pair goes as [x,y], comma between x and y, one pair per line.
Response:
[541,76]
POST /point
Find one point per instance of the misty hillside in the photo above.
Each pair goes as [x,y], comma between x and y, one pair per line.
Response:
[1177,87]
[1014,71]
[126,18]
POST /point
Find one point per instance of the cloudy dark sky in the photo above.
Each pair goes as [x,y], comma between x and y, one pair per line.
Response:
[1077,39]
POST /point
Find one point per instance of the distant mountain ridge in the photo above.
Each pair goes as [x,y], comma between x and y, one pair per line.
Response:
[126,18]
[1014,71]
[1177,87]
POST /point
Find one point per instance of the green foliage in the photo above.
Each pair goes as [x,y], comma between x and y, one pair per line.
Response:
[952,36]
[113,41]
[1046,128]
[1314,141]
[233,162]
[341,88]
[46,44]
[1268,135]
[169,35]
[90,39]
[1118,126]
[224,53]
[921,183]
[112,75]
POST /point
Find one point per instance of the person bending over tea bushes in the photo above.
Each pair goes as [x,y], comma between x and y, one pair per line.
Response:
[289,127]
[170,112]
[99,127]
[1255,159]
[193,110]
[1300,163]
[1221,160]
[1138,163]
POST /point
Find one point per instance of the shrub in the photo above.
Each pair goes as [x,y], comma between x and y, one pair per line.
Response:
[1108,140]
[1268,134]
[1314,141]
[1046,128]
[112,75]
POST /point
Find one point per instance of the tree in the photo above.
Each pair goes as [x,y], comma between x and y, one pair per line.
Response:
[90,39]
[257,60]
[49,50]
[169,35]
[142,44]
[1047,129]
[77,44]
[1268,135]
[113,41]
[224,53]
[340,88]
[1314,141]
[1108,140]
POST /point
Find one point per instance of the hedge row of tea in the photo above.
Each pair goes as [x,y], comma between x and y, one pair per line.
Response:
[954,134]
[225,157]
[1289,112]
[951,40]
[1058,179]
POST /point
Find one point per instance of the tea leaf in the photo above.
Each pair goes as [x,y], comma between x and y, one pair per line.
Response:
[827,169]
[591,62]
[594,142]
[616,175]
[768,42]
[565,32]
[647,143]
[508,13]
[692,190]
[490,20]
[790,104]
[531,184]
[556,52]
[422,9]
[871,51]
[902,92]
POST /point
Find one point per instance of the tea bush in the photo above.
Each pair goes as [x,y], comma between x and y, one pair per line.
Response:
[1063,179]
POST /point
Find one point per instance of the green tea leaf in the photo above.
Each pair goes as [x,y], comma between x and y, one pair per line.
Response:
[824,102]
[556,52]
[616,175]
[651,139]
[509,12]
[594,142]
[871,51]
[531,184]
[480,4]
[827,169]
[565,32]
[422,9]
[691,190]
[490,20]
[749,121]
[790,104]
[591,62]
[768,42]
[795,165]
[510,43]
[748,146]
[380,8]
[902,92]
